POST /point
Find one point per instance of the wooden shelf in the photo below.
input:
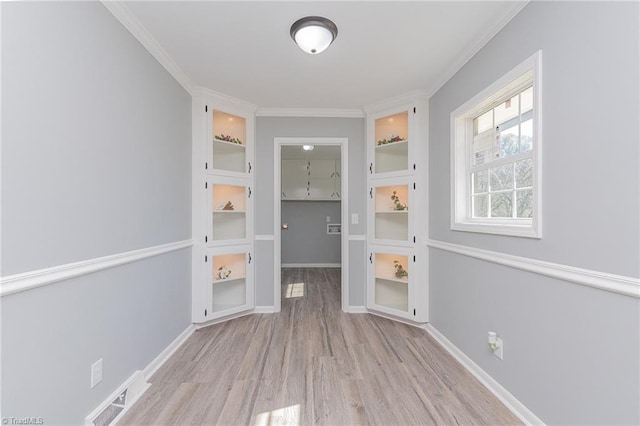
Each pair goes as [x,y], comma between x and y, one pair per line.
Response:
[392,211]
[226,280]
[399,145]
[239,145]
[394,279]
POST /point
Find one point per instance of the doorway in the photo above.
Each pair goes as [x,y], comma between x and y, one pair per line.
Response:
[310,210]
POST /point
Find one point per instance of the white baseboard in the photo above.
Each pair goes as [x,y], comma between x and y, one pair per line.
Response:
[311,265]
[398,319]
[357,310]
[264,310]
[223,319]
[510,401]
[157,362]
[137,384]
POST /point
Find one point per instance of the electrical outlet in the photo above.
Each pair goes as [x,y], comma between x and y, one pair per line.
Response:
[96,373]
[354,218]
[498,351]
[328,219]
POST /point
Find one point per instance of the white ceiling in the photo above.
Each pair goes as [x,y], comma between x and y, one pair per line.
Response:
[383,49]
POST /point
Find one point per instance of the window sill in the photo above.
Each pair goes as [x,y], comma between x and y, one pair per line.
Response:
[512,230]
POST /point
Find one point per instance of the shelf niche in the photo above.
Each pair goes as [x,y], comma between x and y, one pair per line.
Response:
[391,291]
[392,156]
[228,224]
[229,292]
[228,155]
[391,224]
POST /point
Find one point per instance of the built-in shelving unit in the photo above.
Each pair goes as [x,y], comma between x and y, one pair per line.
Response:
[396,140]
[228,281]
[392,142]
[223,282]
[228,142]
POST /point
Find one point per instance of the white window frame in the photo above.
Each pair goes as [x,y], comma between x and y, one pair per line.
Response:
[461,149]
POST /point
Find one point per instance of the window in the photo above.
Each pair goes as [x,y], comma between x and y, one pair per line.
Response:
[495,147]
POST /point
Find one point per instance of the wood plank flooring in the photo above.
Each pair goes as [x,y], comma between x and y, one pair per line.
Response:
[312,364]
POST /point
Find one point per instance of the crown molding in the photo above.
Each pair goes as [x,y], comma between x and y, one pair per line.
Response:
[396,101]
[472,49]
[124,15]
[221,100]
[310,112]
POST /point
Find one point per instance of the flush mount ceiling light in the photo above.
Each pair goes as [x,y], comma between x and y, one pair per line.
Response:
[313,34]
[308,147]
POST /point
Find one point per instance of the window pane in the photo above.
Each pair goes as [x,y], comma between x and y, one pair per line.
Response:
[502,204]
[484,122]
[526,99]
[524,173]
[509,141]
[480,181]
[501,177]
[507,110]
[524,203]
[526,136]
[481,205]
[482,157]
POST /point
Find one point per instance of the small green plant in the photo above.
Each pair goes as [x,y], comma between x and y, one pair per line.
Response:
[390,140]
[397,205]
[400,271]
[228,138]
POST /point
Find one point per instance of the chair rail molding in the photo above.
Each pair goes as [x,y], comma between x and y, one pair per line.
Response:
[627,286]
[16,283]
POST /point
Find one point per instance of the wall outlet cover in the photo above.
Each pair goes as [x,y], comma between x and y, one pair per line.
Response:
[96,373]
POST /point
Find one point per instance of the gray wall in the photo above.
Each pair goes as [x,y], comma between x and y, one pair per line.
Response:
[306,240]
[571,352]
[95,161]
[268,128]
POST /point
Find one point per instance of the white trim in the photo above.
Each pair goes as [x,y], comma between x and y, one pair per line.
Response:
[143,375]
[311,265]
[136,385]
[472,49]
[278,142]
[225,102]
[510,401]
[627,286]
[310,112]
[400,101]
[163,356]
[264,310]
[226,318]
[396,318]
[265,237]
[135,27]
[357,310]
[11,284]
[357,238]
[529,70]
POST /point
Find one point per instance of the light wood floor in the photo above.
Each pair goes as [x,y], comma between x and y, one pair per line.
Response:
[313,364]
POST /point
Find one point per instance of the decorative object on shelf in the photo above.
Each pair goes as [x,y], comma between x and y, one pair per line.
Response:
[400,271]
[228,206]
[397,205]
[227,138]
[223,273]
[390,140]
